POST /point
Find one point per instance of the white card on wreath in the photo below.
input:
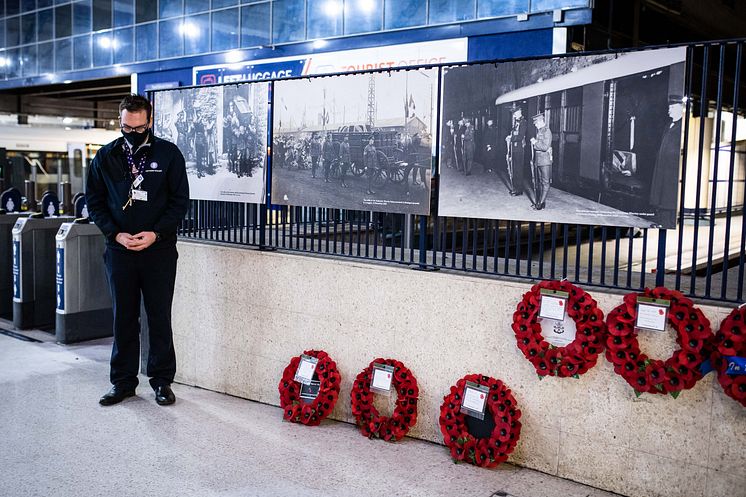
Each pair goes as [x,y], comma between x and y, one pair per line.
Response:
[559,333]
[381,379]
[306,369]
[651,317]
[474,399]
[553,307]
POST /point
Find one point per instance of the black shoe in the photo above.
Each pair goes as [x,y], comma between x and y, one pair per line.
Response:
[164,396]
[116,395]
[516,193]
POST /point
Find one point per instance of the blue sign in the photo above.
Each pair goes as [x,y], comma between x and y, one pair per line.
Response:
[60,279]
[250,72]
[736,365]
[16,269]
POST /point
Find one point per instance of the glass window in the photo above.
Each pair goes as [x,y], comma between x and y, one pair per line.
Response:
[255,25]
[170,8]
[82,52]
[224,30]
[82,17]
[46,24]
[124,13]
[28,61]
[62,21]
[288,20]
[442,11]
[101,14]
[196,34]
[171,36]
[28,29]
[497,8]
[146,10]
[193,6]
[362,16]
[63,56]
[27,5]
[123,46]
[13,31]
[146,42]
[12,7]
[46,58]
[216,4]
[544,5]
[102,45]
[324,18]
[13,60]
[2,33]
[40,4]
[405,13]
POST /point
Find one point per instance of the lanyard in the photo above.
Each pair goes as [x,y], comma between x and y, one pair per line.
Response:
[135,168]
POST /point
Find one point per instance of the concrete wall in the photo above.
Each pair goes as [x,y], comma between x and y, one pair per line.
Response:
[240,315]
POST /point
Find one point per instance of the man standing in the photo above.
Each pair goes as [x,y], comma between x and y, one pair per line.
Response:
[370,162]
[664,188]
[137,194]
[516,142]
[469,147]
[489,149]
[542,145]
[315,151]
[200,143]
[344,159]
[328,153]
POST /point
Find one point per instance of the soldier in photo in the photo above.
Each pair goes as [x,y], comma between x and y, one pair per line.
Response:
[370,162]
[315,152]
[327,151]
[232,129]
[489,145]
[469,147]
[448,144]
[516,143]
[541,157]
[199,132]
[182,128]
[344,159]
[664,185]
[458,146]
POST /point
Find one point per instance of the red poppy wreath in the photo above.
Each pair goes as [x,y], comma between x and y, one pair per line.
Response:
[678,372]
[294,408]
[371,423]
[730,340]
[578,356]
[500,404]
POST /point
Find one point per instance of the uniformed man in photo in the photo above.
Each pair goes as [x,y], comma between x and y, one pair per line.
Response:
[370,162]
[516,143]
[344,159]
[541,144]
[664,184]
[315,152]
[327,151]
[138,194]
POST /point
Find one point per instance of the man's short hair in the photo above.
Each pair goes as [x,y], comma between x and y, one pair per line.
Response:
[135,103]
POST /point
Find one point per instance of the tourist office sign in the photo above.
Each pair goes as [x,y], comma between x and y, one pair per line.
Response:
[387,57]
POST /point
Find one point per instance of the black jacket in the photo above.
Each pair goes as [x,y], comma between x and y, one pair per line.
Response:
[108,185]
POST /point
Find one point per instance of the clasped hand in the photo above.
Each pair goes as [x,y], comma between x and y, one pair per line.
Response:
[137,242]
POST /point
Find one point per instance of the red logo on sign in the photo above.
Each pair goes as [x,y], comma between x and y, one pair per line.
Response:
[208,79]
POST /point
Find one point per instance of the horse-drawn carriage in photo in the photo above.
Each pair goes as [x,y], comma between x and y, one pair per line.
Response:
[395,158]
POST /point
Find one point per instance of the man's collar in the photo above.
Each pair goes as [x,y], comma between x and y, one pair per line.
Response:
[148,142]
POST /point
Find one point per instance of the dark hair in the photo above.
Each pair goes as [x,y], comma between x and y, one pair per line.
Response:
[135,103]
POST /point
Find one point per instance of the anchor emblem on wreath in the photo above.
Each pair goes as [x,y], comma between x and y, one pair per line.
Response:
[558,328]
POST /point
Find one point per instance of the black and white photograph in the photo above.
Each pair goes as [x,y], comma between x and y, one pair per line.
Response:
[222,132]
[361,141]
[581,140]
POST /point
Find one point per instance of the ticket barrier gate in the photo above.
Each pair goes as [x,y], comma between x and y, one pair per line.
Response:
[34,273]
[83,299]
[7,221]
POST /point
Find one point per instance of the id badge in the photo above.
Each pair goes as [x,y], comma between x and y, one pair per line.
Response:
[140,195]
[138,181]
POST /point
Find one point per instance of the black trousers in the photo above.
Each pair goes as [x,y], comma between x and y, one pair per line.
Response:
[150,274]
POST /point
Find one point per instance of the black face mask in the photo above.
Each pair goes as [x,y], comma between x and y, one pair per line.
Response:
[136,139]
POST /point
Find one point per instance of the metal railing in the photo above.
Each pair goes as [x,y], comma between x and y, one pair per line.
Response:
[703,257]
